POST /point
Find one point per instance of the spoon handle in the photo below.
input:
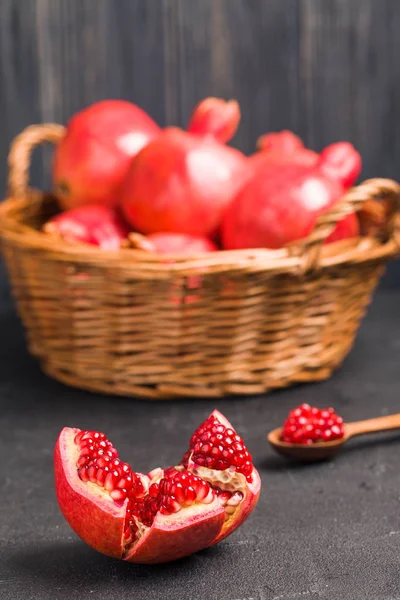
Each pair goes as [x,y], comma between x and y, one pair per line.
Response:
[371,425]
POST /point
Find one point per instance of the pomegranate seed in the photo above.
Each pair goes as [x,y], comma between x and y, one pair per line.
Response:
[125,482]
[111,480]
[91,472]
[190,495]
[153,490]
[223,497]
[308,424]
[118,495]
[83,475]
[83,461]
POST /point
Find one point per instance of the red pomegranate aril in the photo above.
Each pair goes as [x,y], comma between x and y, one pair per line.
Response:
[118,495]
[110,480]
[125,482]
[83,475]
[102,461]
[83,461]
[223,497]
[153,490]
[100,476]
[190,495]
[309,424]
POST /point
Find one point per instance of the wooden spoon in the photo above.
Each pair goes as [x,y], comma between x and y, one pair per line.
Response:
[325,450]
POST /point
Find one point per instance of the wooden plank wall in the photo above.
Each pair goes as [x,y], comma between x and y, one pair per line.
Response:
[328,69]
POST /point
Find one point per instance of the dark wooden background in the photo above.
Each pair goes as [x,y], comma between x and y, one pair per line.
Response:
[328,69]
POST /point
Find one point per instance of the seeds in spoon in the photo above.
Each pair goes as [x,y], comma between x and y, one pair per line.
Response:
[308,424]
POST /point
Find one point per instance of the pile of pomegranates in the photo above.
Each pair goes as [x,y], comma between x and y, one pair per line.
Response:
[116,171]
[164,515]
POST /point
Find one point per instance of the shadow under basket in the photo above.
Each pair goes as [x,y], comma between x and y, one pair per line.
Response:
[237,322]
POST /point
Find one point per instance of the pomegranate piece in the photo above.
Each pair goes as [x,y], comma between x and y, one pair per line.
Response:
[181,183]
[308,424]
[218,455]
[215,117]
[93,224]
[91,160]
[287,199]
[152,518]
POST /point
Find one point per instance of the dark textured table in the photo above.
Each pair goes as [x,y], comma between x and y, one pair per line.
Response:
[328,531]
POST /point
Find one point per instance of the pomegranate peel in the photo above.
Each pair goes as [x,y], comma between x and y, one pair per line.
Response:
[152,518]
[89,510]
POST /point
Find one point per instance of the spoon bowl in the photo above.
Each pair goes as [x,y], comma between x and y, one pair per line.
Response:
[305,452]
[319,451]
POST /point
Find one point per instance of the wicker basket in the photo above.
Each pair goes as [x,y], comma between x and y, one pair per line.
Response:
[239,322]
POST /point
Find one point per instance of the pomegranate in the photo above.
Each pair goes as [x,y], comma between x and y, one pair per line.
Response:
[94,224]
[215,117]
[308,424]
[93,157]
[166,514]
[173,243]
[280,204]
[181,183]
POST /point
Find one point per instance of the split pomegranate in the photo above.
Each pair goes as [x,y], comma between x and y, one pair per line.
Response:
[166,514]
[287,199]
[92,159]
[308,424]
[181,183]
[215,117]
[94,224]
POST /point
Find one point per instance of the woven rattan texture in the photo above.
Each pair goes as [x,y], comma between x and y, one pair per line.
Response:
[240,322]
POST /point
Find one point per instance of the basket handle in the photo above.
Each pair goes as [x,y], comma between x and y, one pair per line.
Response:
[19,157]
[376,200]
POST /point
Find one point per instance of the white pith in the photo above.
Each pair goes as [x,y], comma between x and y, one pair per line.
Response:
[228,480]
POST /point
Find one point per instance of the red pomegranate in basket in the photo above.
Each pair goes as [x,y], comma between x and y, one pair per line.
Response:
[93,157]
[290,187]
[182,181]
